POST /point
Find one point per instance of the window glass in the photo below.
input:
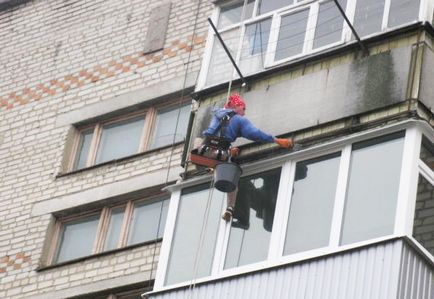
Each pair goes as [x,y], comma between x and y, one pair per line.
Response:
[120,139]
[220,68]
[427,152]
[254,46]
[83,149]
[291,34]
[423,228]
[368,16]
[231,14]
[312,203]
[77,238]
[265,6]
[148,221]
[329,25]
[192,253]
[254,213]
[167,122]
[114,229]
[403,11]
[372,190]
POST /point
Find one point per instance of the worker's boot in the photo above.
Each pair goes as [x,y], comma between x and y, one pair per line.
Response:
[227,215]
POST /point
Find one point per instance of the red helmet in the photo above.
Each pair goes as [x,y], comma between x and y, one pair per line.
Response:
[235,100]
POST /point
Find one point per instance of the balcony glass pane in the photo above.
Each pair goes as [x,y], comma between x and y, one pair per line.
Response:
[220,67]
[329,25]
[372,190]
[403,11]
[254,210]
[192,252]
[423,227]
[255,46]
[84,231]
[120,139]
[269,5]
[231,14]
[312,203]
[291,34]
[369,16]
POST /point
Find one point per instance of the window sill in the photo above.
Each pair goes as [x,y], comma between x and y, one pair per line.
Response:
[116,161]
[97,255]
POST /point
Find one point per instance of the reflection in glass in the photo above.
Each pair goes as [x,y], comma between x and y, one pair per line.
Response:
[120,139]
[403,11]
[192,253]
[166,123]
[254,213]
[312,203]
[427,152]
[83,230]
[265,6]
[114,230]
[368,17]
[423,225]
[329,25]
[220,68]
[254,46]
[372,190]
[83,149]
[231,14]
[291,34]
[148,221]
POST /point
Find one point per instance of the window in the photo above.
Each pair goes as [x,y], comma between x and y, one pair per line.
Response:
[427,153]
[193,247]
[249,238]
[117,138]
[107,229]
[277,31]
[372,193]
[312,203]
[309,206]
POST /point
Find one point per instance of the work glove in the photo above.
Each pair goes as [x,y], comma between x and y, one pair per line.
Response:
[285,143]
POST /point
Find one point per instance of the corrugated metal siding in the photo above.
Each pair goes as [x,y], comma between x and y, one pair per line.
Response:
[416,278]
[367,273]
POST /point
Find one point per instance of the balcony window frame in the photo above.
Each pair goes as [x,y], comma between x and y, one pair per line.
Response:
[102,230]
[145,140]
[276,16]
[406,191]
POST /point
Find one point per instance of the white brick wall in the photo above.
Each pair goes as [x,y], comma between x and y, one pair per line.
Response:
[57,57]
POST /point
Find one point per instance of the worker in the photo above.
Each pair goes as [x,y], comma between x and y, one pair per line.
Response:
[229,122]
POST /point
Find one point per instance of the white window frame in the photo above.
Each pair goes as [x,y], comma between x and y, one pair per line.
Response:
[403,216]
[425,14]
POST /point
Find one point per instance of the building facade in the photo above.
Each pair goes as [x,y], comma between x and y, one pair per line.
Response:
[96,123]
[94,105]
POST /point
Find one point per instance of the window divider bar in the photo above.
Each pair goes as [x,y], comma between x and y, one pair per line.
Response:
[341,190]
[94,145]
[101,232]
[408,182]
[277,239]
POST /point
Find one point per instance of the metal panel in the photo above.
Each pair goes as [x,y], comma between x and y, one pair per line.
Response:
[326,95]
[426,87]
[157,27]
[416,278]
[369,272]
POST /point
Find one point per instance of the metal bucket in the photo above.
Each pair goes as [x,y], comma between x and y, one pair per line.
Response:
[226,176]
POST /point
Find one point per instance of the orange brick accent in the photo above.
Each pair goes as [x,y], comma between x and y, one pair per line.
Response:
[16,262]
[97,73]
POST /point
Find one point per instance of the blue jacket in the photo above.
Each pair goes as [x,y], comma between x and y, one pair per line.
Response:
[238,126]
